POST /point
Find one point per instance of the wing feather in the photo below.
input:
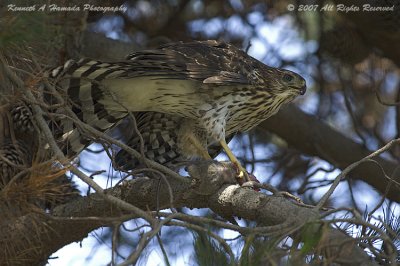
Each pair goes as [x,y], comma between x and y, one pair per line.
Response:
[209,62]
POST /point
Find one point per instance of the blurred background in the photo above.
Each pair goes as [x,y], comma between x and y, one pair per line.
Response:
[350,61]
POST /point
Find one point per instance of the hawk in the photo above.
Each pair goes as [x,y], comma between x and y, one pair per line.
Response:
[188,96]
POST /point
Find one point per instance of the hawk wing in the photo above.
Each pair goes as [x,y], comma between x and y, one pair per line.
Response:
[206,61]
[89,84]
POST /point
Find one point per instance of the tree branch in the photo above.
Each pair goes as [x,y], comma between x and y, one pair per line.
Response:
[210,188]
[314,137]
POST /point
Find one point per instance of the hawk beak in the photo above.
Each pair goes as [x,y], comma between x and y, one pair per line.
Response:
[303,90]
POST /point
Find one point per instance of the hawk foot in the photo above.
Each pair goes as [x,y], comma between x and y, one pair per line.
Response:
[247,179]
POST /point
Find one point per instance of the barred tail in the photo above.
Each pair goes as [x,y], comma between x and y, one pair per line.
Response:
[80,85]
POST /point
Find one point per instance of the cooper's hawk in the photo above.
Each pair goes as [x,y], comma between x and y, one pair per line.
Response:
[210,89]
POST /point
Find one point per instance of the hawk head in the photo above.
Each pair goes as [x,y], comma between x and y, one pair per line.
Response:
[286,81]
[277,79]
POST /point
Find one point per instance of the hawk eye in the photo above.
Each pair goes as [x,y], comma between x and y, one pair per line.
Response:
[287,78]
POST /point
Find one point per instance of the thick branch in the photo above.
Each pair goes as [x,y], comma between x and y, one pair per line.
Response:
[206,191]
[312,136]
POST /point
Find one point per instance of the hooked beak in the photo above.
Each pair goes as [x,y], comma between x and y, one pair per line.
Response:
[303,90]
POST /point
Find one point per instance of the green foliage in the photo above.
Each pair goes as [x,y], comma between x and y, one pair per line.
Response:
[19,28]
[256,250]
[390,225]
[246,256]
[207,252]
[310,236]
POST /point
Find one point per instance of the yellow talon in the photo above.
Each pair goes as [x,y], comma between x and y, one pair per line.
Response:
[232,157]
[241,174]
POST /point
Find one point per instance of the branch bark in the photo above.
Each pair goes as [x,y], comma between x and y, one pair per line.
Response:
[210,188]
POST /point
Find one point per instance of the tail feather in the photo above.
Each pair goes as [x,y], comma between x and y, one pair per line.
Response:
[80,82]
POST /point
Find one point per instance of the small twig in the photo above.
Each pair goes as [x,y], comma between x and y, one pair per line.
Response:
[275,192]
[210,233]
[349,168]
[383,198]
[101,135]
[144,241]
[381,101]
[42,125]
[114,242]
[349,108]
[164,252]
[261,230]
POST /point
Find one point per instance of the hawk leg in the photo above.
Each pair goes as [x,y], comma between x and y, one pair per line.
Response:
[242,171]
[200,149]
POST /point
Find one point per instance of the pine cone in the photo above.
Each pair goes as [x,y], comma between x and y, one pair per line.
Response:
[22,118]
[13,158]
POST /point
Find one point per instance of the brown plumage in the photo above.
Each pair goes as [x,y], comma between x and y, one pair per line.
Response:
[162,143]
[212,88]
